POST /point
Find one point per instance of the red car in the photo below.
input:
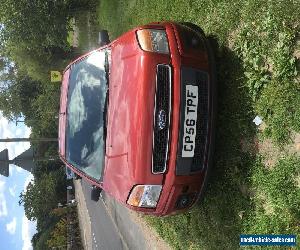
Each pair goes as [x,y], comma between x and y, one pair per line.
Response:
[137,117]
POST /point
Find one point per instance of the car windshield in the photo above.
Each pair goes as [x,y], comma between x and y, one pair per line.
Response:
[85,145]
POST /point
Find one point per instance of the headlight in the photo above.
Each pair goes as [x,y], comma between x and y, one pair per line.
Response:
[153,40]
[144,196]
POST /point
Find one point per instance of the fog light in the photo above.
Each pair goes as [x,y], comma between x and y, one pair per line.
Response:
[183,201]
[195,42]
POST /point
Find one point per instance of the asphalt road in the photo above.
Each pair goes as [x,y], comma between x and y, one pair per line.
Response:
[120,228]
[104,232]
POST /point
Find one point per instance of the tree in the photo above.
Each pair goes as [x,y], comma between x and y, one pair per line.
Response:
[35,23]
[39,240]
[59,235]
[33,34]
[16,93]
[33,41]
[42,195]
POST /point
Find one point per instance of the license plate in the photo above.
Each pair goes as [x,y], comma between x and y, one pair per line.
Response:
[190,120]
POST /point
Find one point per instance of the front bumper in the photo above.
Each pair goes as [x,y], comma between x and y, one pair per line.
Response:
[185,178]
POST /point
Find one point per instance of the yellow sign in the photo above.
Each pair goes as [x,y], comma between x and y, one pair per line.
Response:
[55,76]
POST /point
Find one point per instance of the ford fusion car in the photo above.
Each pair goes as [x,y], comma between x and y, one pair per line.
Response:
[137,117]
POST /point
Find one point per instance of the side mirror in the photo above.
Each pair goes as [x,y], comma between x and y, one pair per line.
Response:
[95,193]
[103,38]
[77,177]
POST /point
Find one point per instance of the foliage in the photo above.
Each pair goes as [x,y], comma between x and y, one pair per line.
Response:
[266,46]
[31,30]
[62,229]
[278,211]
[42,195]
[39,240]
[66,230]
[35,34]
[15,97]
[278,105]
[262,61]
[58,235]
[33,41]
[61,211]
[22,20]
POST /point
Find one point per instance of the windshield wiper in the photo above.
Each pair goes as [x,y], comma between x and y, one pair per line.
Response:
[106,68]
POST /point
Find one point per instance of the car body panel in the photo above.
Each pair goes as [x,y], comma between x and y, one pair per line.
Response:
[130,118]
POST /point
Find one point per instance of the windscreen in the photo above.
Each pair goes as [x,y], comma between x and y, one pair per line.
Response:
[85,120]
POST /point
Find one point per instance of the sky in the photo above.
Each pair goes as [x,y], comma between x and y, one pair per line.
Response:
[15,230]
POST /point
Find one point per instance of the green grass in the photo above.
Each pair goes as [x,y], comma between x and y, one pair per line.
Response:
[266,44]
[261,35]
[257,75]
[278,191]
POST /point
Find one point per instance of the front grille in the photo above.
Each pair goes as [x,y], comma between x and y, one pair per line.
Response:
[161,119]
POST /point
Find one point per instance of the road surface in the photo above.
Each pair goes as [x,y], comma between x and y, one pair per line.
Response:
[115,227]
[105,234]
